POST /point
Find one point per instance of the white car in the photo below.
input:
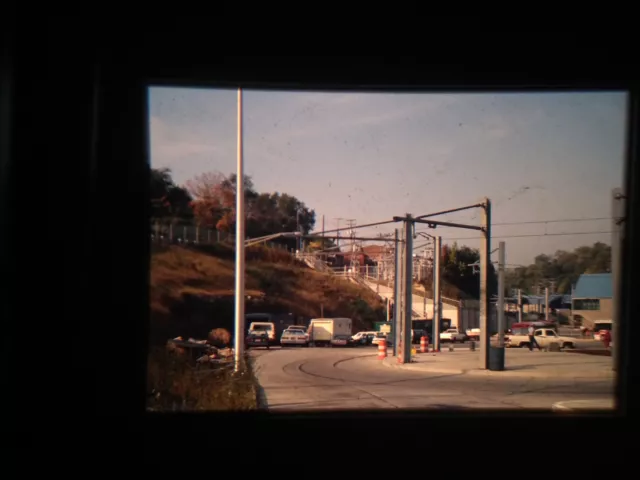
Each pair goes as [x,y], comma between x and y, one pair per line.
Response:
[452,335]
[361,337]
[381,336]
[294,336]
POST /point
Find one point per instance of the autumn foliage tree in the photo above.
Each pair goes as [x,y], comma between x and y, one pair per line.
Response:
[214,206]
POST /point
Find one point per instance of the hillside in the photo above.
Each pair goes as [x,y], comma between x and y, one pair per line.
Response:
[192,290]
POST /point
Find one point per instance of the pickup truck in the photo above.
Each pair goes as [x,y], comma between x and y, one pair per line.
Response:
[452,335]
[544,337]
[473,333]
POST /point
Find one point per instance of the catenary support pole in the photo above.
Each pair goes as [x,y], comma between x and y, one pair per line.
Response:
[397,271]
[501,265]
[408,290]
[437,288]
[617,216]
[485,258]
[240,220]
[519,306]
[546,303]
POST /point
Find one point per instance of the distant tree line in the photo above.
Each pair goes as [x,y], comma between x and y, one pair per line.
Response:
[561,270]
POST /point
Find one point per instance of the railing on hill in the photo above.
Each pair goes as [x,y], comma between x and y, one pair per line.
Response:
[177,234]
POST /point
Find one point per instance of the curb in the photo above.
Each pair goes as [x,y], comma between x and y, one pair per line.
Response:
[418,367]
[588,405]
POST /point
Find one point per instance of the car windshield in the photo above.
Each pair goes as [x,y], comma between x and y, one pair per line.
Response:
[295,331]
[261,328]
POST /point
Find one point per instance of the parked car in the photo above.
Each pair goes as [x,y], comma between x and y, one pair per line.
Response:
[342,341]
[258,338]
[294,336]
[452,335]
[363,338]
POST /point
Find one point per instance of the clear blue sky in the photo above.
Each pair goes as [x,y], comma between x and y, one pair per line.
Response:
[370,156]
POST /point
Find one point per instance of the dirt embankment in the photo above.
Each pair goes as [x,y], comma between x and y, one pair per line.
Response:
[192,291]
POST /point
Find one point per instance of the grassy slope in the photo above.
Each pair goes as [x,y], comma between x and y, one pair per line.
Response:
[182,278]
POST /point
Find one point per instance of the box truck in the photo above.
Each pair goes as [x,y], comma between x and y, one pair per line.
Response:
[323,330]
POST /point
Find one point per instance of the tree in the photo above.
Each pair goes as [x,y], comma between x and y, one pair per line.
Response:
[459,279]
[214,206]
[168,201]
[208,198]
[561,269]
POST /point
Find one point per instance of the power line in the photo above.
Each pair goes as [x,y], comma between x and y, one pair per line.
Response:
[534,222]
[531,235]
[553,221]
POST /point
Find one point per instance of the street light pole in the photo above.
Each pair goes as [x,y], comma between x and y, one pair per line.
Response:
[240,242]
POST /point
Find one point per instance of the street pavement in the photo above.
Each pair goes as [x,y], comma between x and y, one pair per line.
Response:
[299,379]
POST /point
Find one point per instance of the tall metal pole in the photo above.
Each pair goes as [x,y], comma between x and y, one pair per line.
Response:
[408,290]
[424,303]
[322,233]
[396,293]
[501,264]
[617,216]
[519,306]
[546,303]
[437,287]
[240,219]
[485,253]
[388,305]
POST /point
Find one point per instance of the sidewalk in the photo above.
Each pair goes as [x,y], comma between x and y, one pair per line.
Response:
[518,363]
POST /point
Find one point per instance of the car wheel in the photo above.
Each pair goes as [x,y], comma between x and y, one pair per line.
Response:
[568,345]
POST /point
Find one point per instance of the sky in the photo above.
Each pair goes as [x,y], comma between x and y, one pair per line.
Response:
[539,157]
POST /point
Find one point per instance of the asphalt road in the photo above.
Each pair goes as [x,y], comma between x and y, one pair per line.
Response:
[296,379]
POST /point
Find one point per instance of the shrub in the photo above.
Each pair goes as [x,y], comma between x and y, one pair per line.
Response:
[220,337]
[174,385]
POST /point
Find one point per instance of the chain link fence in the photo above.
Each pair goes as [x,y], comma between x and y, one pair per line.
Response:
[166,233]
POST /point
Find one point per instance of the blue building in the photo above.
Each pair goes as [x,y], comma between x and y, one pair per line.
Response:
[592,299]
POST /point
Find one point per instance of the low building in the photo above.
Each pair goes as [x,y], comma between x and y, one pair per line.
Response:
[592,299]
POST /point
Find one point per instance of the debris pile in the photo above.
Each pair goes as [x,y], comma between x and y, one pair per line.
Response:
[200,351]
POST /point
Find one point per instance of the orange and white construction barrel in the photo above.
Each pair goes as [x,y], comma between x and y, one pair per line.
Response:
[424,344]
[382,350]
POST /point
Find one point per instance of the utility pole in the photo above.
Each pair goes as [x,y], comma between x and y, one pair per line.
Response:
[519,306]
[437,300]
[546,303]
[396,293]
[501,264]
[485,252]
[322,247]
[408,290]
[618,218]
[240,240]
[338,232]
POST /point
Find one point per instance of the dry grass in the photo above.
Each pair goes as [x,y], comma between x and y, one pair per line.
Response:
[279,282]
[174,385]
[192,293]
